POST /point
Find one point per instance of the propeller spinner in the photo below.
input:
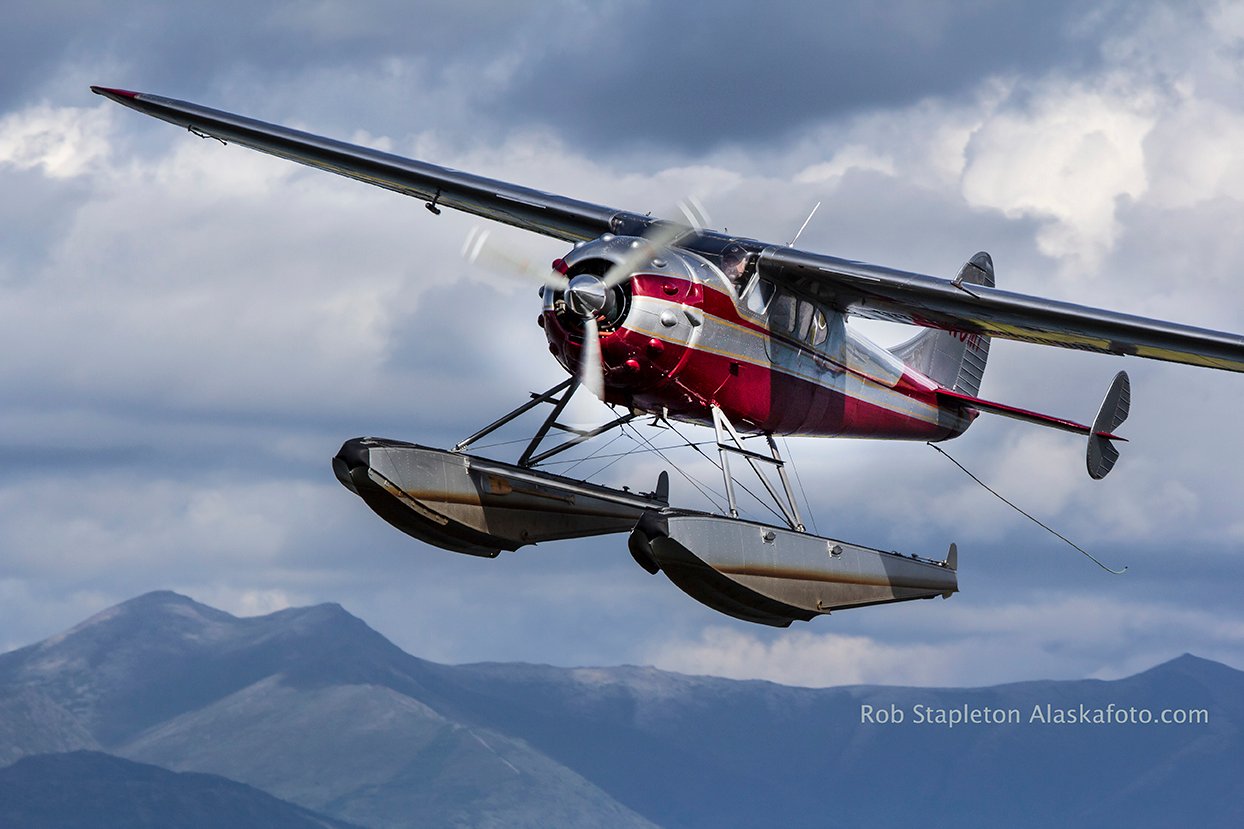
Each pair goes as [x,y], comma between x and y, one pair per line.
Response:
[588,295]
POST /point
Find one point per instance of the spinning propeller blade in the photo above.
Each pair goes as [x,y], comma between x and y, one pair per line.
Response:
[587,295]
[655,242]
[591,374]
[477,249]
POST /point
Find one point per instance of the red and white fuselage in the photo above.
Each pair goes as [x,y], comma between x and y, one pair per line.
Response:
[681,338]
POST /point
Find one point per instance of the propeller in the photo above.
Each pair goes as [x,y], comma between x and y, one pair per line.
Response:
[659,237]
[587,295]
[478,250]
[591,371]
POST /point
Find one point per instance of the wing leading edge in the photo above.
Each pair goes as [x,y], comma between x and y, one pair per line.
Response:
[524,207]
[857,288]
[887,294]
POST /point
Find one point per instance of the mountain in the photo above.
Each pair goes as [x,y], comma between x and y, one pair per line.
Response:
[32,723]
[316,708]
[308,704]
[691,751]
[89,790]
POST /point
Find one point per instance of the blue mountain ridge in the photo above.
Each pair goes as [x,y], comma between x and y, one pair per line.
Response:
[90,790]
[314,707]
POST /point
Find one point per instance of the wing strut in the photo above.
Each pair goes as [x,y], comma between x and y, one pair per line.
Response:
[724,428]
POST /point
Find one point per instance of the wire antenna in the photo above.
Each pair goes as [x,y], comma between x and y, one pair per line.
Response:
[803,226]
[1036,521]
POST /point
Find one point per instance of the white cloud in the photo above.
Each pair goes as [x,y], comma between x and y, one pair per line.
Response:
[107,527]
[1068,636]
[1066,158]
[799,658]
[1192,155]
[246,601]
[850,157]
[62,142]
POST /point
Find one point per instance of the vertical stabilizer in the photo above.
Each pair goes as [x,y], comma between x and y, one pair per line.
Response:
[1102,453]
[954,359]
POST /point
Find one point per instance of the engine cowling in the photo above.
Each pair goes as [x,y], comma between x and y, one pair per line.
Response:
[645,321]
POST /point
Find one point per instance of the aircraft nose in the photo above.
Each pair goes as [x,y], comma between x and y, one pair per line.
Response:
[354,456]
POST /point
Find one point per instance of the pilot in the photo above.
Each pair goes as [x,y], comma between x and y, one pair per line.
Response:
[734,264]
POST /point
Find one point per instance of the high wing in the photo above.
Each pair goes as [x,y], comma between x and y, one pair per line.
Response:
[557,216]
[857,288]
[886,294]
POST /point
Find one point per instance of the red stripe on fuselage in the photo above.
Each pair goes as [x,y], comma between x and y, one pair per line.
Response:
[772,401]
[722,306]
[833,400]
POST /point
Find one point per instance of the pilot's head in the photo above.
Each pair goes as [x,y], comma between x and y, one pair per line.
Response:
[734,263]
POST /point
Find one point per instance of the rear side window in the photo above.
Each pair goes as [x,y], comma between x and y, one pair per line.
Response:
[805,319]
[820,330]
[782,314]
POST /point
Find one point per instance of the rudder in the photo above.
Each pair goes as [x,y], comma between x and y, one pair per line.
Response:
[954,359]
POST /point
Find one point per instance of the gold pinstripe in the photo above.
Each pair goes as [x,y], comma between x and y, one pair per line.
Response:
[883,396]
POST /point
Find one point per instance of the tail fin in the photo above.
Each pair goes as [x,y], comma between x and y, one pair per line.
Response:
[1102,452]
[953,358]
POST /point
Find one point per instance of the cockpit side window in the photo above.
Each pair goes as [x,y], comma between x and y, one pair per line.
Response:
[759,293]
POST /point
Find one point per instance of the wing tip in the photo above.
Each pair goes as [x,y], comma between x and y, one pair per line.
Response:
[111,92]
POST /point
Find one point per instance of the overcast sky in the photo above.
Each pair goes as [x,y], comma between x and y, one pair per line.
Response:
[190,331]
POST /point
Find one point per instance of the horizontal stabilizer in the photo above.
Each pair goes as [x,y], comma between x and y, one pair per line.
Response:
[1114,410]
[1102,453]
[1015,412]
